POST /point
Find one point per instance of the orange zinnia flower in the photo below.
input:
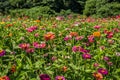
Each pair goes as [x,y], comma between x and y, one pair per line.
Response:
[13,68]
[64,68]
[96,34]
[98,76]
[37,20]
[10,34]
[49,36]
[73,34]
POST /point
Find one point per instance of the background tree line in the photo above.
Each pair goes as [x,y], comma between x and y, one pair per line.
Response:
[99,8]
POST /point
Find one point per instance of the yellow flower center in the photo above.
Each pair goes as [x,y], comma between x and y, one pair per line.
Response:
[60,78]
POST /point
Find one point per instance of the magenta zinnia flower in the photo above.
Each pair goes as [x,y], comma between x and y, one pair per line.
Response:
[97,27]
[59,78]
[76,48]
[68,37]
[44,77]
[91,38]
[31,29]
[106,58]
[86,56]
[24,46]
[2,52]
[79,38]
[103,71]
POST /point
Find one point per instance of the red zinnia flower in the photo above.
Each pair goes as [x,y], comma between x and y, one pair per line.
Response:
[49,36]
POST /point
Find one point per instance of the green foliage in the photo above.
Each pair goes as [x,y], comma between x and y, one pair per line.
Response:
[90,7]
[102,8]
[33,12]
[110,9]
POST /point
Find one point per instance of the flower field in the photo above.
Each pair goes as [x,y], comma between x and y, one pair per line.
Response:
[60,48]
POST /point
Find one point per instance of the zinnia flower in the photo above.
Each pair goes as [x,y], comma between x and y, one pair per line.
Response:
[97,27]
[64,68]
[98,76]
[31,29]
[73,34]
[49,36]
[96,34]
[59,78]
[30,50]
[2,52]
[68,37]
[95,64]
[79,38]
[24,46]
[76,48]
[103,71]
[59,18]
[4,78]
[106,58]
[91,38]
[44,77]
[86,56]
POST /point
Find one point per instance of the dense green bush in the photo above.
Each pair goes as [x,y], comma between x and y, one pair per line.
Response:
[99,8]
[90,8]
[33,12]
[102,8]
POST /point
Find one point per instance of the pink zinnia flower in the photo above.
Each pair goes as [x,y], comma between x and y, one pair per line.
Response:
[37,45]
[86,56]
[59,18]
[91,38]
[106,58]
[116,30]
[76,48]
[83,50]
[24,46]
[109,34]
[95,64]
[103,71]
[31,29]
[2,52]
[30,50]
[59,78]
[97,27]
[79,37]
[110,63]
[36,34]
[68,37]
